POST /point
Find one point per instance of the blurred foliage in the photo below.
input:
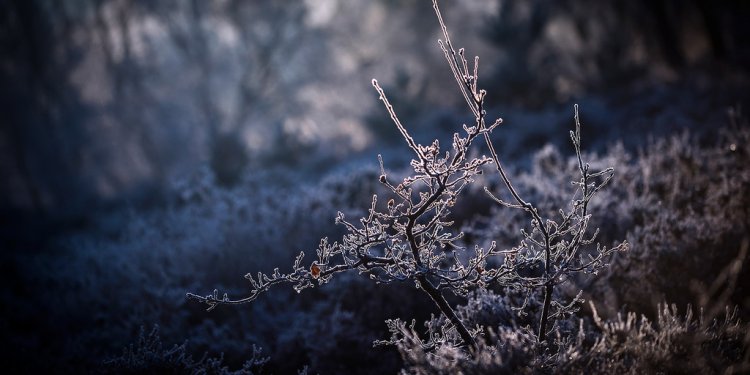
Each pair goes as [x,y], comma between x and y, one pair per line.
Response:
[106,101]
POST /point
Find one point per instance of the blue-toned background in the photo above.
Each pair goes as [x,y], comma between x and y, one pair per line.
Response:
[148,149]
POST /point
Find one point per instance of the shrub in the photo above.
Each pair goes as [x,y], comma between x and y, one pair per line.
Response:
[627,344]
[148,356]
[412,239]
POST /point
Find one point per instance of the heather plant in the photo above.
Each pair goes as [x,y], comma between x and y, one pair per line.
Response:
[119,252]
[674,342]
[710,339]
[412,238]
[149,356]
[685,207]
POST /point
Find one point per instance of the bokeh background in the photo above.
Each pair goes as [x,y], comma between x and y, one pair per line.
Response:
[148,149]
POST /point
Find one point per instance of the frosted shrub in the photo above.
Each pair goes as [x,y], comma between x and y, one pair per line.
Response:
[408,235]
[202,227]
[685,208]
[627,344]
[667,180]
[148,356]
[708,340]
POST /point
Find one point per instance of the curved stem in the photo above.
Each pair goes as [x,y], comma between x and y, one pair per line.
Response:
[447,310]
[542,334]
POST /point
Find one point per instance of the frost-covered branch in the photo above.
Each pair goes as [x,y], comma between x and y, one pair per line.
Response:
[410,238]
[558,244]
